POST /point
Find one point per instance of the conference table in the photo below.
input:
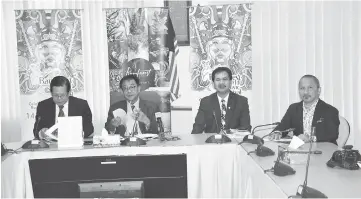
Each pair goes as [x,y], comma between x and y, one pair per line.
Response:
[213,170]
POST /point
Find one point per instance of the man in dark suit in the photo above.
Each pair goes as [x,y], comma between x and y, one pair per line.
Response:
[310,112]
[224,109]
[140,114]
[61,105]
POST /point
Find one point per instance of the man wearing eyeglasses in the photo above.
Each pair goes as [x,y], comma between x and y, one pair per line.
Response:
[140,114]
[61,105]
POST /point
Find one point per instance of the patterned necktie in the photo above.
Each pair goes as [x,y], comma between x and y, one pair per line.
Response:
[61,112]
[136,124]
[223,114]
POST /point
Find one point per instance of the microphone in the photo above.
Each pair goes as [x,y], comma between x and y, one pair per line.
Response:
[262,151]
[281,169]
[134,141]
[255,139]
[285,131]
[38,118]
[35,144]
[303,190]
[220,137]
[215,119]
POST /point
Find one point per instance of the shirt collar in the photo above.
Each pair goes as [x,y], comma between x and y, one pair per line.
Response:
[312,106]
[136,104]
[225,98]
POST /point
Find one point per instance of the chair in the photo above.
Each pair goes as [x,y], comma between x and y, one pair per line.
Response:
[344,132]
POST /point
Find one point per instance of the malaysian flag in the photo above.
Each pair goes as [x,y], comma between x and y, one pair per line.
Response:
[173,52]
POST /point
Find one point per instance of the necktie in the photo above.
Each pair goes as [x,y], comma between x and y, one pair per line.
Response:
[61,112]
[223,114]
[135,127]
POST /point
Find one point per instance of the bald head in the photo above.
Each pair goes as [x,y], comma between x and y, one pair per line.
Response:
[309,89]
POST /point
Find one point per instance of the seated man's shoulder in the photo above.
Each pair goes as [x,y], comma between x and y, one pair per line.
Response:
[295,105]
[80,100]
[329,107]
[149,103]
[46,102]
[118,104]
[239,97]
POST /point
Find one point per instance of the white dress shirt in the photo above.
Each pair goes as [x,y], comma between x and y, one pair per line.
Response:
[220,101]
[130,121]
[65,110]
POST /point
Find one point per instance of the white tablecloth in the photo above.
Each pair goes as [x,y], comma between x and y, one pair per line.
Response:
[214,170]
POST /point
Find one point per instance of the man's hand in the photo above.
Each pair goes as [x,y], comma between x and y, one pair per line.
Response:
[116,121]
[304,137]
[276,135]
[143,118]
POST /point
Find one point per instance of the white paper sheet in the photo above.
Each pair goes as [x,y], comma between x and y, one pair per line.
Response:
[50,131]
[296,142]
[119,113]
[70,132]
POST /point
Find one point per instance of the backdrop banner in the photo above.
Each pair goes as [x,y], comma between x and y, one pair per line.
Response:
[142,41]
[220,36]
[49,43]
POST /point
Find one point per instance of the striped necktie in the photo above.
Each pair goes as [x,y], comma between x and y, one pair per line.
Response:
[223,114]
[136,124]
[61,112]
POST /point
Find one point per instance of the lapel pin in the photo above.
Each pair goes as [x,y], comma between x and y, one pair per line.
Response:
[320,120]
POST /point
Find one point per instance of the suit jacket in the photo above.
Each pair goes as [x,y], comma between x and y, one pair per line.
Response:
[147,107]
[325,119]
[45,114]
[237,115]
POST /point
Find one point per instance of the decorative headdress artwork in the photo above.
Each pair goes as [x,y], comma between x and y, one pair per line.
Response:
[221,36]
[49,44]
[139,33]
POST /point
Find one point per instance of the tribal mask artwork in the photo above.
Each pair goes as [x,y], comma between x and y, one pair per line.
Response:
[221,36]
[49,44]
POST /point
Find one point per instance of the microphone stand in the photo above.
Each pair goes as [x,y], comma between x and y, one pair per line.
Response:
[303,190]
[41,144]
[132,140]
[220,137]
[255,139]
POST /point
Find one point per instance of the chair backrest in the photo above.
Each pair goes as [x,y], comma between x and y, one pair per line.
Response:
[344,132]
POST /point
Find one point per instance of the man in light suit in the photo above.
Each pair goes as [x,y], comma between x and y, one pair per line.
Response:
[140,114]
[310,112]
[61,105]
[224,109]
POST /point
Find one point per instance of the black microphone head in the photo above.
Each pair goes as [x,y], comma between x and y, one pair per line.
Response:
[282,169]
[308,192]
[253,139]
[264,151]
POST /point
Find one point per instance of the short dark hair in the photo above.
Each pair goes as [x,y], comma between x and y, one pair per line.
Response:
[127,78]
[60,81]
[312,77]
[221,69]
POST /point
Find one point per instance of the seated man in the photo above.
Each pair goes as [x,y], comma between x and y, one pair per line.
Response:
[310,112]
[224,109]
[140,114]
[61,105]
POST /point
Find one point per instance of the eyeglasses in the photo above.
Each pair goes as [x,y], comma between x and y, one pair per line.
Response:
[130,88]
[59,96]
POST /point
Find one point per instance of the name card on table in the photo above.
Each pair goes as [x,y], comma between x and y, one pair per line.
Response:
[218,136]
